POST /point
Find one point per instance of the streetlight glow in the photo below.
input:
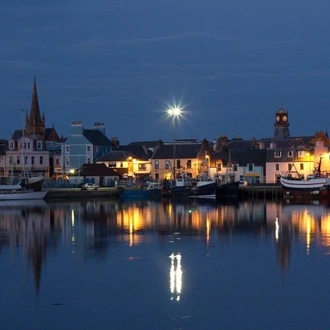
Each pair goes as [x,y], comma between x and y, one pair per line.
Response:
[174,112]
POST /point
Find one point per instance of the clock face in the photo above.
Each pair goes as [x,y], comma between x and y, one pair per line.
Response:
[285,118]
[277,118]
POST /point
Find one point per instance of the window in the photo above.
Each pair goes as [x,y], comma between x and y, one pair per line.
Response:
[112,164]
[156,164]
[88,160]
[67,160]
[290,153]
[142,167]
[67,150]
[189,164]
[250,167]
[18,160]
[235,168]
[41,160]
[11,160]
[88,149]
[277,154]
[301,153]
[121,164]
[39,145]
[167,164]
[25,160]
[32,160]
[12,145]
[29,145]
[277,167]
[301,166]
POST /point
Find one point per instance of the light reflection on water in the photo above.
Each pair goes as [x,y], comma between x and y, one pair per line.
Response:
[131,258]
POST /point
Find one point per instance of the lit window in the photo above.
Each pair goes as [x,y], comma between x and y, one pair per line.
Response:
[142,167]
[301,153]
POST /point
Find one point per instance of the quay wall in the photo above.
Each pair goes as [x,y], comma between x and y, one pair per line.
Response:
[268,191]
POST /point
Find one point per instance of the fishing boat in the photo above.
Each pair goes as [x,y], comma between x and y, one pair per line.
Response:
[178,188]
[205,187]
[227,186]
[296,185]
[150,190]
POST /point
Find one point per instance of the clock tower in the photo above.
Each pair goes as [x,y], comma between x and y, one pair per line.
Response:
[281,124]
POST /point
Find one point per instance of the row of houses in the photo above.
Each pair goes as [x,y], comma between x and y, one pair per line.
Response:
[89,153]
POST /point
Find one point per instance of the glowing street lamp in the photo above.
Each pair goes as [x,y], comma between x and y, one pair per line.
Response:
[174,112]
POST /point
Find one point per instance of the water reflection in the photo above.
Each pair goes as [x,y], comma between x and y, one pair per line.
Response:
[175,276]
[90,229]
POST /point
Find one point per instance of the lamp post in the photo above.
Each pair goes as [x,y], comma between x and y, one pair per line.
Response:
[174,112]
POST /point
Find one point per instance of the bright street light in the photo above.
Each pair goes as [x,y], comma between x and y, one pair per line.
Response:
[174,112]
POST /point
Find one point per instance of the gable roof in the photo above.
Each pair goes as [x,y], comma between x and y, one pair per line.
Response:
[97,170]
[182,150]
[116,156]
[95,137]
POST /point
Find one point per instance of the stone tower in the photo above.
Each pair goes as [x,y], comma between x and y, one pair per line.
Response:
[281,124]
[35,124]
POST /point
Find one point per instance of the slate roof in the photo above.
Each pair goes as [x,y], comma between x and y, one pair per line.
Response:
[3,146]
[182,150]
[95,137]
[51,135]
[97,170]
[116,156]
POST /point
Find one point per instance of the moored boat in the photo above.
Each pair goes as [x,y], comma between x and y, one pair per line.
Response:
[227,186]
[6,195]
[294,184]
[180,187]
[150,190]
[204,188]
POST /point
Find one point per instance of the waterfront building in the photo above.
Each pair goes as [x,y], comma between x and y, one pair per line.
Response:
[132,161]
[286,153]
[27,147]
[176,157]
[83,146]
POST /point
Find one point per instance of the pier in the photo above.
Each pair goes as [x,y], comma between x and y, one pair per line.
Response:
[260,190]
[77,193]
[256,191]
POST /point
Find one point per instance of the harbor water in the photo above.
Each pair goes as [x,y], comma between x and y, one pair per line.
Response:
[111,264]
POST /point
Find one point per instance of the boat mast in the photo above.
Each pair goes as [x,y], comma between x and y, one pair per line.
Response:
[23,146]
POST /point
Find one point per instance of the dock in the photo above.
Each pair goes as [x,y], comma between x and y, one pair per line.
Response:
[77,193]
[261,190]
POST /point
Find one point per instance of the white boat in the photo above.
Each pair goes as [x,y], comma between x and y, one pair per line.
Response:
[310,183]
[294,182]
[6,195]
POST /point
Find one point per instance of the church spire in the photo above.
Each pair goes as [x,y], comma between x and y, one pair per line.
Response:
[35,125]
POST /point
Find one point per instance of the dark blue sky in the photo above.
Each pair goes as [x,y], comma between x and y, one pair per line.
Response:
[231,63]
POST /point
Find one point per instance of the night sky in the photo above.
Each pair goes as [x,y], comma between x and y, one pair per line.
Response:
[230,64]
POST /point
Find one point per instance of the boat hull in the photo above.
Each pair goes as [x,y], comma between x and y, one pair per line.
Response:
[22,195]
[140,193]
[227,190]
[304,185]
[204,190]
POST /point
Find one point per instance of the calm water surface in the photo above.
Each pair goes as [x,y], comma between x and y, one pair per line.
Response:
[164,265]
